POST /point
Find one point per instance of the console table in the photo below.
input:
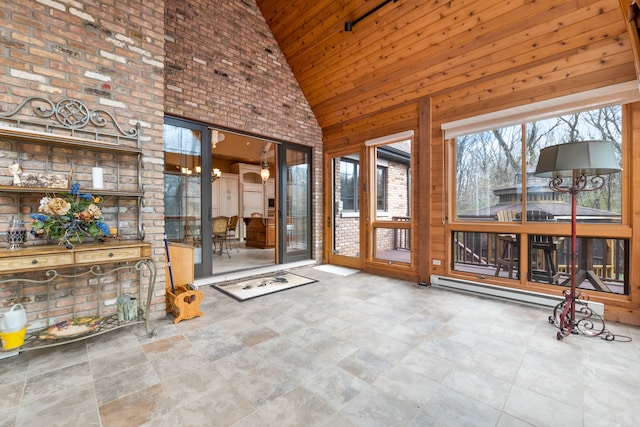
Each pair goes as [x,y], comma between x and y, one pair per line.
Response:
[90,260]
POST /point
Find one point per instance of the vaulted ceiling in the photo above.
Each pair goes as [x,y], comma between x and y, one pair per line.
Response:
[468,54]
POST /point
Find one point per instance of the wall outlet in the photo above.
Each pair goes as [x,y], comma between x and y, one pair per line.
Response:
[435,262]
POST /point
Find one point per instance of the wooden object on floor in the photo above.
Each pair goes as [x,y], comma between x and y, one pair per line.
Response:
[183,302]
[261,232]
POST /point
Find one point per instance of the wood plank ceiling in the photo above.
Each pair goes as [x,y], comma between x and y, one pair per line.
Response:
[473,55]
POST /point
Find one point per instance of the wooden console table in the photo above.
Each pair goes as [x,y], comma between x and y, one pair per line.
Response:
[87,260]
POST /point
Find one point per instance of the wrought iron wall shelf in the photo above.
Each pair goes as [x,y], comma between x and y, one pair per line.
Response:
[42,137]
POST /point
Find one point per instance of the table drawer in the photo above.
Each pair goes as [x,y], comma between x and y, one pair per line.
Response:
[35,262]
[108,255]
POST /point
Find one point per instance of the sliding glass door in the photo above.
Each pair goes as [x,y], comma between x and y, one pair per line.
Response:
[187,182]
[294,203]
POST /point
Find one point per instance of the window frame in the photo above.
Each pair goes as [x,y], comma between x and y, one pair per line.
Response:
[523,229]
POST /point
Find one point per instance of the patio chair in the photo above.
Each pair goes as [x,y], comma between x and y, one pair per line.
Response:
[506,246]
[231,231]
[220,226]
[544,271]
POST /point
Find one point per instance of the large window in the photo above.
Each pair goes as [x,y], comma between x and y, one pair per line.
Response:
[491,176]
[391,234]
[495,182]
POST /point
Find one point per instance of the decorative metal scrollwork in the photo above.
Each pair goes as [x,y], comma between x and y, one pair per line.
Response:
[585,322]
[70,114]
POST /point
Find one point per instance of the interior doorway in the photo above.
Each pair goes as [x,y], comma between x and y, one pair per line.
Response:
[224,196]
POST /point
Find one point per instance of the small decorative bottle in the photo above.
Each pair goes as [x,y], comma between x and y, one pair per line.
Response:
[16,234]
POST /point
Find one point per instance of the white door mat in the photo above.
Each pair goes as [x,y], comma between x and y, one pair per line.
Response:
[334,269]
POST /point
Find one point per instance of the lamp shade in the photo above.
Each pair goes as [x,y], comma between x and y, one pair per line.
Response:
[585,158]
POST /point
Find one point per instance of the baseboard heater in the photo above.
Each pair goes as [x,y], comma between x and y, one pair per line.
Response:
[509,294]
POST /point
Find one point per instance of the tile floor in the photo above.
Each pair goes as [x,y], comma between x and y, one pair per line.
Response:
[359,350]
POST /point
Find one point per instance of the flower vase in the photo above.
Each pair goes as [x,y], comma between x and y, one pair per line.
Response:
[72,241]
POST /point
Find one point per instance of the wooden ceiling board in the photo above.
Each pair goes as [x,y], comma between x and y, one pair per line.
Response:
[397,85]
[473,54]
[376,48]
[449,108]
[492,86]
[443,64]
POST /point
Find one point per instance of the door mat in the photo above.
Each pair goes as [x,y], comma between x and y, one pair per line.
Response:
[335,269]
[257,287]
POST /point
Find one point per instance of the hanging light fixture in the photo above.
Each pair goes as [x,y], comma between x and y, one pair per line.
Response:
[264,172]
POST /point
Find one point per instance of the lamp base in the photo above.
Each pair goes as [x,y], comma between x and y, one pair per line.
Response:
[585,321]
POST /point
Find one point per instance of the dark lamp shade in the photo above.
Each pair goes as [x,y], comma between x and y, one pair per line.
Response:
[585,158]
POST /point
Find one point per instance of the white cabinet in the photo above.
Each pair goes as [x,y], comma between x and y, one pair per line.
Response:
[224,195]
[228,195]
[252,191]
[252,200]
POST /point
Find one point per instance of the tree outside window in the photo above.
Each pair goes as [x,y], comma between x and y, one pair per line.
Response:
[495,182]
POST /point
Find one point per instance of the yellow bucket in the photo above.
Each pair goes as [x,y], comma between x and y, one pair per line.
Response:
[11,340]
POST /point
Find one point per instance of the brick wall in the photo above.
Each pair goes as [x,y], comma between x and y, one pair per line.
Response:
[223,67]
[109,55]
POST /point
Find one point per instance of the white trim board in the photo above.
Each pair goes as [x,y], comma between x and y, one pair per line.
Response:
[622,93]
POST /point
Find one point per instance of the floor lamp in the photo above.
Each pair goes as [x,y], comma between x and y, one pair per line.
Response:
[573,168]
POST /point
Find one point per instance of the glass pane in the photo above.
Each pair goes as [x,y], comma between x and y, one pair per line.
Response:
[346,219]
[486,254]
[392,244]
[393,177]
[182,187]
[297,200]
[488,174]
[349,176]
[601,262]
[601,206]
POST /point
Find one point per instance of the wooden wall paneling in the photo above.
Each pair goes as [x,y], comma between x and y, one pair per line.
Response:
[422,192]
[634,200]
[438,191]
[381,50]
[417,47]
[433,47]
[334,50]
[468,102]
[583,59]
[545,77]
[475,49]
[570,72]
[470,58]
[321,27]
[510,64]
[633,30]
[398,119]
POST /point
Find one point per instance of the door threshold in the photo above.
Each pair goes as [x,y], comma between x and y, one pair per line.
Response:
[252,272]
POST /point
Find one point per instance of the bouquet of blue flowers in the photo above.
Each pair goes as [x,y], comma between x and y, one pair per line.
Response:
[70,217]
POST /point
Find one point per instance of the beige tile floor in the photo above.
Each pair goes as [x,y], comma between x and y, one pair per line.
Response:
[359,350]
